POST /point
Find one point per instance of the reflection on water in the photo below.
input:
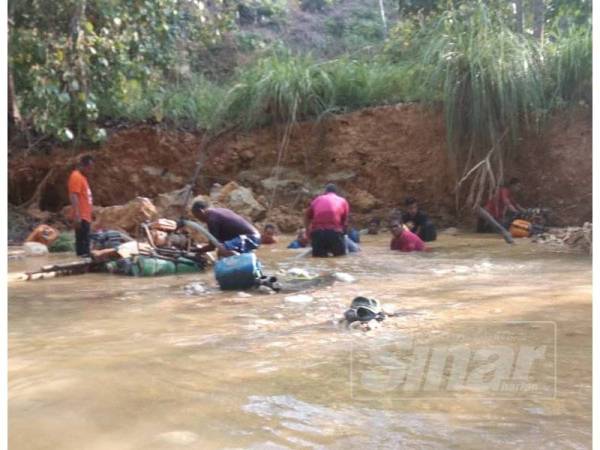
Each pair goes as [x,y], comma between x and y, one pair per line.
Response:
[105,362]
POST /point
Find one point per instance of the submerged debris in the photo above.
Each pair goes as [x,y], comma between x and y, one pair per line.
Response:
[194,289]
[344,277]
[578,238]
[300,273]
[300,298]
[364,314]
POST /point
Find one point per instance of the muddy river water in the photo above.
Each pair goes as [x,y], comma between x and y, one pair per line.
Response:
[107,362]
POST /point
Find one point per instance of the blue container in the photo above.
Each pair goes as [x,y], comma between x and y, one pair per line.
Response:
[237,272]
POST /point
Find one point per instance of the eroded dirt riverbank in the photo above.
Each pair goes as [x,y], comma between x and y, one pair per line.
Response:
[105,362]
[378,156]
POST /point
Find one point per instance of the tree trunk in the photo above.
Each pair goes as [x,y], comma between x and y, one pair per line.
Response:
[14,115]
[77,64]
[519,16]
[383,19]
[539,11]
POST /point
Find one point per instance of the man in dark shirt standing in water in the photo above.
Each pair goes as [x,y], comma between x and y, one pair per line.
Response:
[234,232]
[417,221]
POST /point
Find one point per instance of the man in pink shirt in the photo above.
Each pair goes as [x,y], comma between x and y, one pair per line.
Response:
[327,219]
[405,240]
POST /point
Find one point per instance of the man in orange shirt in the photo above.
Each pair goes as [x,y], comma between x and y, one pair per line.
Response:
[80,196]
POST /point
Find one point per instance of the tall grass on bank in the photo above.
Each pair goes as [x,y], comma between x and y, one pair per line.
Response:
[285,86]
[359,84]
[491,81]
[192,103]
[490,78]
[569,64]
[196,102]
[278,89]
[275,89]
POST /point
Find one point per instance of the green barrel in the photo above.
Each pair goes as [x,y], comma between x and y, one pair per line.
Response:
[147,266]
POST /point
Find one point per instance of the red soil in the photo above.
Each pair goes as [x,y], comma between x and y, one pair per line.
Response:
[391,152]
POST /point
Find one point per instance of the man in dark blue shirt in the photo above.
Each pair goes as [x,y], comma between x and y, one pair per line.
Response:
[417,221]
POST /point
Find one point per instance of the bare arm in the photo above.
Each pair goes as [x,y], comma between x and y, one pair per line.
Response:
[52,235]
[508,201]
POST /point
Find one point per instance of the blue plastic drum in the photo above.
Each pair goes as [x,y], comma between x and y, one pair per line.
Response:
[238,272]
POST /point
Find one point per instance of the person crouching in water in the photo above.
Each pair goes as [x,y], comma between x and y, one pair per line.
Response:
[301,240]
[404,240]
[417,221]
[269,235]
[235,233]
[327,218]
[502,206]
[372,227]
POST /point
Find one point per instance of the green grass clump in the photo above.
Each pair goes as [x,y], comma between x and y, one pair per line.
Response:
[285,87]
[196,102]
[490,78]
[492,81]
[359,84]
[279,88]
[569,64]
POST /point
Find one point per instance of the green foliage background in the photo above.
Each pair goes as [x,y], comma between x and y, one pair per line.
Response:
[79,65]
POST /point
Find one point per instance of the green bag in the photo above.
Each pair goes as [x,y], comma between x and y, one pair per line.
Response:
[64,243]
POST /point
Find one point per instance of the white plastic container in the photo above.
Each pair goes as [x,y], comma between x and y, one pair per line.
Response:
[35,249]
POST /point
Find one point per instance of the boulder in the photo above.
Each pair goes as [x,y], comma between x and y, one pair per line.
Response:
[362,201]
[344,175]
[171,204]
[215,191]
[576,238]
[250,177]
[276,183]
[127,217]
[247,155]
[286,220]
[241,200]
[282,177]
